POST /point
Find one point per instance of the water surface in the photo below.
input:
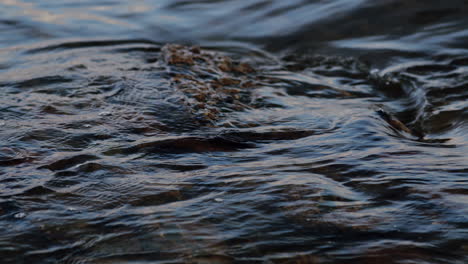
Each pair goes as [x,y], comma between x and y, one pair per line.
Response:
[102,162]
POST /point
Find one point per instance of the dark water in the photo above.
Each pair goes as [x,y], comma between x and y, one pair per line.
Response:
[100,162]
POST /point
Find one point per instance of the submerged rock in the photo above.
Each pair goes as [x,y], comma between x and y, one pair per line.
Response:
[211,82]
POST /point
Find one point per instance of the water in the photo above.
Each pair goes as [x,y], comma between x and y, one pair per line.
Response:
[351,146]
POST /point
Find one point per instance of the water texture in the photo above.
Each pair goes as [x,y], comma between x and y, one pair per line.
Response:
[346,142]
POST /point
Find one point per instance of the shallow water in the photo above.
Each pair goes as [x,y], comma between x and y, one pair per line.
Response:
[102,162]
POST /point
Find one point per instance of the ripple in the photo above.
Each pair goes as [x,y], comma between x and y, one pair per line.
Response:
[327,158]
[68,162]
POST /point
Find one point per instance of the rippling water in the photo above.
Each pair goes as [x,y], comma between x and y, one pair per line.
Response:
[351,148]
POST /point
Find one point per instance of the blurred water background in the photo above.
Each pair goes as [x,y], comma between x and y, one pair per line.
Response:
[100,162]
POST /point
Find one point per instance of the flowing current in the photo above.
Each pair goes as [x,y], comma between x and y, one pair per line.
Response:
[299,132]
